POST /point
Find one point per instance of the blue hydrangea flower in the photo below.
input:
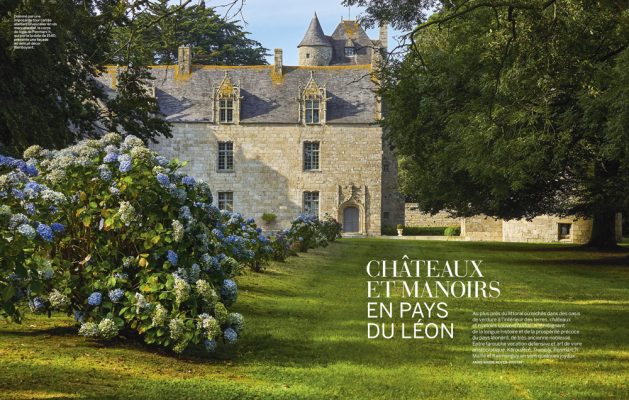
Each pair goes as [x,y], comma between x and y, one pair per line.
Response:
[185,213]
[30,208]
[30,170]
[116,295]
[110,158]
[163,179]
[161,161]
[210,345]
[17,220]
[125,163]
[45,232]
[114,190]
[57,227]
[172,257]
[37,305]
[17,193]
[218,233]
[26,231]
[229,292]
[95,299]
[230,336]
[188,181]
[32,189]
[105,173]
[125,166]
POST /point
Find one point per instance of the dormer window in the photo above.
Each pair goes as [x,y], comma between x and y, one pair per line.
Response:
[313,103]
[227,102]
[225,111]
[313,109]
[350,52]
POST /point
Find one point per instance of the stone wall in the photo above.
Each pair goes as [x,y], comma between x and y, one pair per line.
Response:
[268,167]
[481,228]
[414,217]
[319,55]
[545,228]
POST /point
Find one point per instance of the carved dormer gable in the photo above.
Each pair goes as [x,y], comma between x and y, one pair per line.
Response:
[312,103]
[227,102]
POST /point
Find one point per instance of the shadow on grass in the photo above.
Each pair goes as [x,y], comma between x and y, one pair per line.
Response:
[59,331]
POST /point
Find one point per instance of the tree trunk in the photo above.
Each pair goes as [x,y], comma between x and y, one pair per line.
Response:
[604,231]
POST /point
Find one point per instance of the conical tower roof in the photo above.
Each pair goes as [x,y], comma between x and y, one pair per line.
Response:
[314,35]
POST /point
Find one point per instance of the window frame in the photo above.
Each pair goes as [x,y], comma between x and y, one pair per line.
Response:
[226,110]
[225,156]
[228,203]
[352,52]
[312,109]
[311,156]
[305,200]
[562,236]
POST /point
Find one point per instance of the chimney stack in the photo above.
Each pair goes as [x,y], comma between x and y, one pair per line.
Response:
[384,36]
[184,61]
[279,62]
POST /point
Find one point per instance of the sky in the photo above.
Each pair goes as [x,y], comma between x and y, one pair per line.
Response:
[283,23]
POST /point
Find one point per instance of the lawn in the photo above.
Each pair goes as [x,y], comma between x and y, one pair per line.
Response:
[306,336]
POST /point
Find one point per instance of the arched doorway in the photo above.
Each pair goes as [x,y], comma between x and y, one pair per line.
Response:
[351,219]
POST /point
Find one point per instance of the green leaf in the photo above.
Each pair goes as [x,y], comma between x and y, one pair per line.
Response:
[8,292]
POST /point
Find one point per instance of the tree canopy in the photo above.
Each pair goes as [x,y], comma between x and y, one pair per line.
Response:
[512,108]
[215,40]
[48,95]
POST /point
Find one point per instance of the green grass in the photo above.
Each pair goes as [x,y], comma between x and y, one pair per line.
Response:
[306,336]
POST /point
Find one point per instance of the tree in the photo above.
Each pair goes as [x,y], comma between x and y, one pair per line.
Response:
[512,108]
[48,95]
[215,40]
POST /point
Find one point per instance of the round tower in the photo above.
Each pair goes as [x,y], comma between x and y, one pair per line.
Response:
[315,49]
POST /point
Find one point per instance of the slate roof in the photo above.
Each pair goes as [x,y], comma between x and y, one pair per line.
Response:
[314,35]
[265,98]
[351,34]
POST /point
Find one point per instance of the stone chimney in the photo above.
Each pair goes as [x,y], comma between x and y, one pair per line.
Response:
[279,62]
[384,36]
[184,61]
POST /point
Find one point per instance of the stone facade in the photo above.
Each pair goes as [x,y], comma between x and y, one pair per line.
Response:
[414,217]
[268,175]
[542,229]
[481,228]
[546,228]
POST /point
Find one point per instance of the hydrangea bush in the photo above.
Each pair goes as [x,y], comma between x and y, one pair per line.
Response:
[138,246]
[29,223]
[331,228]
[117,236]
[306,232]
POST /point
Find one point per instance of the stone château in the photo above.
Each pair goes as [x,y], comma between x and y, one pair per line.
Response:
[286,139]
[304,139]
